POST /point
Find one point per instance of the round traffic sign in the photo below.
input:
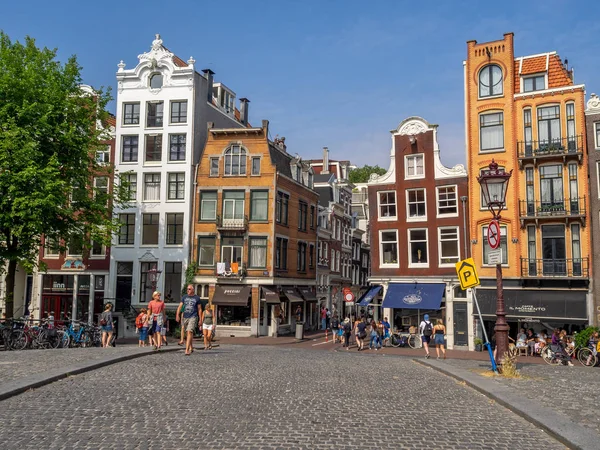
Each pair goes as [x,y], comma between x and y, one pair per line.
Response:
[493,234]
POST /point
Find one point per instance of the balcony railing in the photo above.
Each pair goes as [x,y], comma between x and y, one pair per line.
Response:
[359,197]
[576,267]
[549,148]
[226,269]
[538,209]
[232,224]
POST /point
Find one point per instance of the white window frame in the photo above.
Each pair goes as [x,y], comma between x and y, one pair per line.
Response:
[408,159]
[169,182]
[145,187]
[102,255]
[391,265]
[484,243]
[495,149]
[103,156]
[598,176]
[596,135]
[243,153]
[379,205]
[437,197]
[48,243]
[409,241]
[531,76]
[252,159]
[416,218]
[440,256]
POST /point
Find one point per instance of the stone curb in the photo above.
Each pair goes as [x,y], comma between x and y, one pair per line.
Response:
[557,425]
[17,387]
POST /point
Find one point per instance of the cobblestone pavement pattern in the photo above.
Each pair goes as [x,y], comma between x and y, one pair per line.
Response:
[572,391]
[263,398]
[16,365]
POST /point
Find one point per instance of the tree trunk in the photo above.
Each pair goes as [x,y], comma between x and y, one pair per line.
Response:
[10,288]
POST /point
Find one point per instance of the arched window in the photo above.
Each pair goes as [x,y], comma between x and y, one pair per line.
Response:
[156,81]
[235,161]
[490,81]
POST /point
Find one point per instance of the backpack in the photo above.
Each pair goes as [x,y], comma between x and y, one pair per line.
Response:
[139,321]
[347,327]
[427,329]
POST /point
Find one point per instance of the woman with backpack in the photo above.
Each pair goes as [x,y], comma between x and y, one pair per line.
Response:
[106,324]
[141,323]
[426,330]
[347,328]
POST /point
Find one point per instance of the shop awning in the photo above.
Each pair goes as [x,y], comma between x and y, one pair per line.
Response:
[307,293]
[231,295]
[292,294]
[271,295]
[414,295]
[368,296]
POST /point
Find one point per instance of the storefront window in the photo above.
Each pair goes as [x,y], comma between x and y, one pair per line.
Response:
[283,314]
[233,315]
[83,297]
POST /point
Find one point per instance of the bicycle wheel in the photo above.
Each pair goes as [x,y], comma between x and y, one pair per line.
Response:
[414,341]
[85,340]
[18,340]
[394,340]
[54,339]
[65,341]
[586,357]
[549,356]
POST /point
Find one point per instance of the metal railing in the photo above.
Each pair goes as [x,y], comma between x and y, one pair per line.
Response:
[552,208]
[230,270]
[572,145]
[232,224]
[359,197]
[574,267]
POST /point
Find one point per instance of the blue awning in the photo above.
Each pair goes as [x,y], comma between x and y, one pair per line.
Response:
[414,295]
[369,296]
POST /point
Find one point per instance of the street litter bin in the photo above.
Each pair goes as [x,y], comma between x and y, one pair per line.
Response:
[299,330]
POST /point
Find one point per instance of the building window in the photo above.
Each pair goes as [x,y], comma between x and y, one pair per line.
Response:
[127,229]
[235,161]
[302,215]
[150,224]
[176,186]
[208,206]
[528,133]
[301,257]
[124,280]
[417,246]
[281,253]
[103,155]
[491,131]
[597,134]
[332,259]
[232,249]
[147,281]
[259,205]
[573,189]
[536,83]
[258,252]
[549,127]
[154,118]
[311,256]
[414,166]
[255,165]
[177,147]
[389,247]
[153,147]
[233,205]
[449,246]
[503,246]
[571,138]
[554,250]
[101,189]
[129,149]
[281,208]
[387,205]
[447,201]
[312,217]
[174,228]
[490,81]
[156,81]
[206,251]
[131,113]
[51,247]
[151,187]
[214,167]
[172,281]
[179,111]
[416,204]
[98,249]
[531,250]
[576,250]
[129,181]
[529,190]
[551,188]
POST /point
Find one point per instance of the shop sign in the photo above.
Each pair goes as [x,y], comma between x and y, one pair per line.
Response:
[467,275]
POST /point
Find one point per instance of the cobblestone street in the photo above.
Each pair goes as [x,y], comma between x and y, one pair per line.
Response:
[251,397]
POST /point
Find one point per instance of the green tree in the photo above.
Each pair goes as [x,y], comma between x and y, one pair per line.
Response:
[50,130]
[362,174]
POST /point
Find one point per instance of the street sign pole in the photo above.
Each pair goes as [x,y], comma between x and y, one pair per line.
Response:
[487,341]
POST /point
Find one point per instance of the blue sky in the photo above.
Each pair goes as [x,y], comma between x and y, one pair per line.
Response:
[324,72]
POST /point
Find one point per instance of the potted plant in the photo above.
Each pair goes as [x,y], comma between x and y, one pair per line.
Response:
[478,344]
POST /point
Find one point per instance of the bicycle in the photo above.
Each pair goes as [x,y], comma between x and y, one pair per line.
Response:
[397,340]
[76,338]
[415,341]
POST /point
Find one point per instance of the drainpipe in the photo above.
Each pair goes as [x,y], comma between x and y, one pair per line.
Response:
[463,199]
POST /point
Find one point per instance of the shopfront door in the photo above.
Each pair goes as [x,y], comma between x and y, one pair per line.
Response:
[461,335]
[58,305]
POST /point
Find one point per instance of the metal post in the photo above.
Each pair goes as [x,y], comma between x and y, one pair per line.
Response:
[463,199]
[487,341]
[501,327]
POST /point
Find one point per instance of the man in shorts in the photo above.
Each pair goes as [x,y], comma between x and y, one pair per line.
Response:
[192,309]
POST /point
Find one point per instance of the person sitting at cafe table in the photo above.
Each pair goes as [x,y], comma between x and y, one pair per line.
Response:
[530,341]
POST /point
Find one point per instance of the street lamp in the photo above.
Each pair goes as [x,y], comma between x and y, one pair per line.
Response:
[153,276]
[494,185]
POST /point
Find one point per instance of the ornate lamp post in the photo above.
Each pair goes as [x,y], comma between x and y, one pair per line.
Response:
[153,276]
[494,184]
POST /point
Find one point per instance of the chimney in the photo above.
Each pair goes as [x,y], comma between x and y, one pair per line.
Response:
[265,126]
[209,76]
[325,169]
[244,111]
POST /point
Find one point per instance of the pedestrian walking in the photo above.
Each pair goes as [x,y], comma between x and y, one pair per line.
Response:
[374,336]
[141,323]
[386,331]
[163,331]
[106,325]
[347,327]
[156,319]
[191,306]
[327,318]
[323,318]
[182,329]
[360,333]
[208,326]
[334,325]
[439,331]
[426,330]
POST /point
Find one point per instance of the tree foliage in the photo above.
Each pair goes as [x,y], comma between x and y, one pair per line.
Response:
[50,131]
[362,174]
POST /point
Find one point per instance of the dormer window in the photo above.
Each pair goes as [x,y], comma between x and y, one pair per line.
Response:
[536,83]
[235,161]
[156,81]
[299,174]
[490,81]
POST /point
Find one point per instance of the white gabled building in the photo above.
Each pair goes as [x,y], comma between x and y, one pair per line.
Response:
[163,107]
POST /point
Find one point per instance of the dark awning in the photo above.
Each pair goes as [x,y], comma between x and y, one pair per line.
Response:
[307,293]
[368,296]
[231,295]
[414,295]
[271,295]
[292,294]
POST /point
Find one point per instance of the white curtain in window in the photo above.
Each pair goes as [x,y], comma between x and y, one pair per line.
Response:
[492,137]
[258,253]
[152,188]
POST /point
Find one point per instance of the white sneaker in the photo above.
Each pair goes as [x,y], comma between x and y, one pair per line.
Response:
[569,363]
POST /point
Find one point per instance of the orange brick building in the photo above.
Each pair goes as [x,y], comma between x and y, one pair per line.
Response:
[255,220]
[527,114]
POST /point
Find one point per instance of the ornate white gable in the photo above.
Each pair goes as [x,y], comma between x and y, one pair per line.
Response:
[412,125]
[593,104]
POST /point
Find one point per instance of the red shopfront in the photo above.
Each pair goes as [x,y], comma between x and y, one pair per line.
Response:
[58,292]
